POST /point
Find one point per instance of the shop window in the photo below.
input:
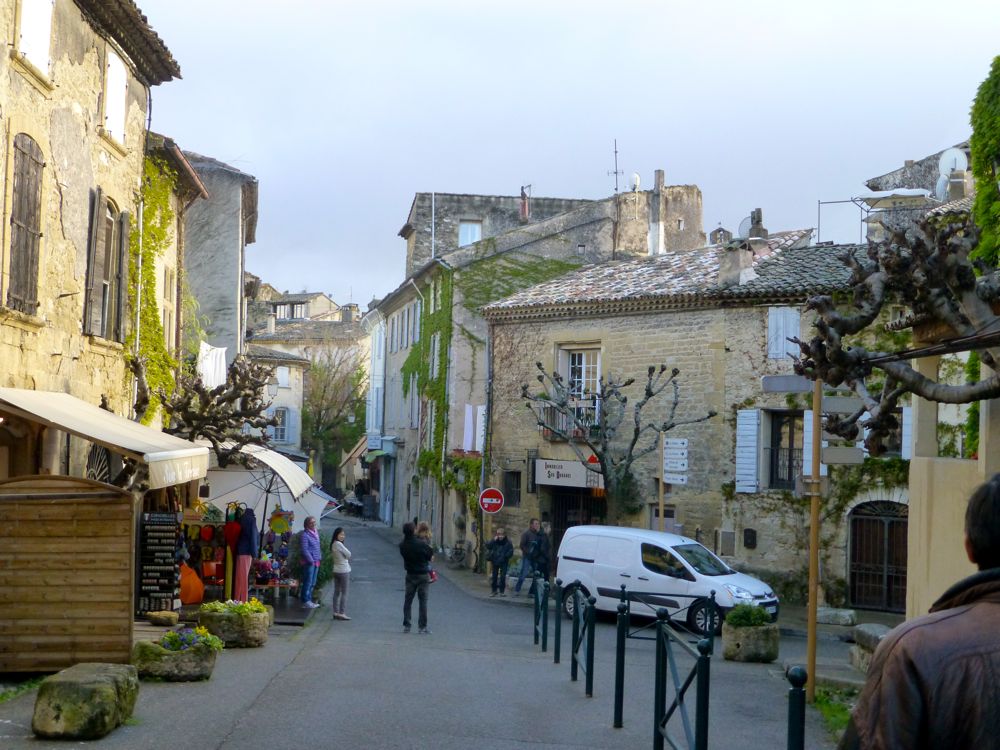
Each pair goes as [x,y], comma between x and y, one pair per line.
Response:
[107,267]
[25,225]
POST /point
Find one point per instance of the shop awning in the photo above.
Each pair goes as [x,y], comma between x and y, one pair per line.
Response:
[372,455]
[297,480]
[356,451]
[171,460]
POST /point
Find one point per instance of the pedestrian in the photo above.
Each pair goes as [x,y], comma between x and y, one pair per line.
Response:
[527,545]
[311,558]
[417,556]
[424,533]
[341,573]
[931,683]
[499,550]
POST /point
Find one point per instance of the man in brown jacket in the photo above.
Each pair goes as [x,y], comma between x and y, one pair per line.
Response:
[934,681]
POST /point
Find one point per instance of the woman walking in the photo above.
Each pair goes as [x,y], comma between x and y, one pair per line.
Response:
[341,573]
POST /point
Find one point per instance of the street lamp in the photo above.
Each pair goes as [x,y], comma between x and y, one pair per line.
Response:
[272,386]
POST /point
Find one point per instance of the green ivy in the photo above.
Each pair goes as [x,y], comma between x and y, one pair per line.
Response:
[154,237]
[470,468]
[972,375]
[846,482]
[499,276]
[985,147]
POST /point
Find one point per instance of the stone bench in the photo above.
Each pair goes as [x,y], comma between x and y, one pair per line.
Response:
[85,701]
[867,636]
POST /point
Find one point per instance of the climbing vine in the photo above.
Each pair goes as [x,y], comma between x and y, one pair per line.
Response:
[145,246]
[972,375]
[499,276]
[462,475]
[985,147]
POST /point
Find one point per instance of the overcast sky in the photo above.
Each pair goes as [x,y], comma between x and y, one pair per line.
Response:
[344,110]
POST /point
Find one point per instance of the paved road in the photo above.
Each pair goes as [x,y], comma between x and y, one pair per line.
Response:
[476,681]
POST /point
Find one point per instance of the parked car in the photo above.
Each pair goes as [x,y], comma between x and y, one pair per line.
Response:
[658,570]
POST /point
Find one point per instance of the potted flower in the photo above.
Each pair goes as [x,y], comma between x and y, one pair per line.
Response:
[749,635]
[240,624]
[179,656]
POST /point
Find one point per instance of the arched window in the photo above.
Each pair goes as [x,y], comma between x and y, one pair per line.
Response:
[25,225]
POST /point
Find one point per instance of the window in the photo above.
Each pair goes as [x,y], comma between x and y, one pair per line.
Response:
[703,561]
[435,355]
[469,232]
[512,488]
[782,324]
[169,305]
[414,401]
[582,373]
[279,431]
[25,225]
[115,93]
[281,312]
[35,34]
[659,560]
[784,458]
[282,373]
[417,310]
[107,266]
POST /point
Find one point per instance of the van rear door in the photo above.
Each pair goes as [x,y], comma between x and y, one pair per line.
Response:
[613,566]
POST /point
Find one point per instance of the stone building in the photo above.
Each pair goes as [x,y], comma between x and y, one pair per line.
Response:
[285,392]
[75,98]
[464,251]
[722,315]
[218,231]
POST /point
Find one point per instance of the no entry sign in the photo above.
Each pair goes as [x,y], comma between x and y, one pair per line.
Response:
[491,500]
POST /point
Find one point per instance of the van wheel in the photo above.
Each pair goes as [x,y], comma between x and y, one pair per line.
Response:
[702,619]
[568,602]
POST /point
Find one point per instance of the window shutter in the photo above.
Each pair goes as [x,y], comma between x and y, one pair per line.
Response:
[95,264]
[121,282]
[807,453]
[292,426]
[790,329]
[747,436]
[774,337]
[36,32]
[906,450]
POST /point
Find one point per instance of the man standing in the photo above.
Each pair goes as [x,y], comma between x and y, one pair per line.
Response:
[499,552]
[417,556]
[933,681]
[528,546]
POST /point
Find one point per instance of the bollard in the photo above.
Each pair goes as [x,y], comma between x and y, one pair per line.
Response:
[660,684]
[534,598]
[576,631]
[591,622]
[701,696]
[545,617]
[557,637]
[714,622]
[622,634]
[797,709]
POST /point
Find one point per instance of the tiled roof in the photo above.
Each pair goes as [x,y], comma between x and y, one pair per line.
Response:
[123,21]
[690,278]
[303,297]
[958,206]
[301,330]
[262,352]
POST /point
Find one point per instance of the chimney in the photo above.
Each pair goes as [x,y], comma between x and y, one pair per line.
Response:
[720,236]
[658,181]
[908,163]
[736,264]
[525,203]
[270,322]
[956,185]
[757,228]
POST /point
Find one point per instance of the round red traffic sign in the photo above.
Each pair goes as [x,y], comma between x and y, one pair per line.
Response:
[491,500]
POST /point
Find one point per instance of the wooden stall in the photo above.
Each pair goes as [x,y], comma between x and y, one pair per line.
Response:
[66,573]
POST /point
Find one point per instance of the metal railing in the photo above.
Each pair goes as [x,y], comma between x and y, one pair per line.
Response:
[584,618]
[586,412]
[541,599]
[666,663]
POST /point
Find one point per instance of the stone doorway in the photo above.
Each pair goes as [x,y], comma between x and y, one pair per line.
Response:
[877,565]
[575,506]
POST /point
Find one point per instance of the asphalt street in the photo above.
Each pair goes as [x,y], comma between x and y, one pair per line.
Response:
[476,680]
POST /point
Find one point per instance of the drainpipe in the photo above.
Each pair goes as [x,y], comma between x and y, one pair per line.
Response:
[432,226]
[487,432]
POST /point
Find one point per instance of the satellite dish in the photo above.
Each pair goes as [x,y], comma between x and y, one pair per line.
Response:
[952,159]
[635,182]
[941,189]
[744,230]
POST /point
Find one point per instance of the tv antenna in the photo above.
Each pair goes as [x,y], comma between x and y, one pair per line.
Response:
[951,160]
[744,231]
[617,171]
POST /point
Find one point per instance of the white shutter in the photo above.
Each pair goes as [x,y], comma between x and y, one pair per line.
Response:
[906,450]
[790,329]
[480,427]
[292,426]
[115,90]
[863,425]
[782,324]
[747,437]
[36,32]
[469,434]
[807,439]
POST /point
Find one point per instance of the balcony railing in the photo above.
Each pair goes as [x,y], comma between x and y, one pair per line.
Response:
[585,425]
[785,464]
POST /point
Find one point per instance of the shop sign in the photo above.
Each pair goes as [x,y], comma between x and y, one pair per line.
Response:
[565,474]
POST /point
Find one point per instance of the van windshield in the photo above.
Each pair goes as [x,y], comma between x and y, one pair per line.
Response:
[702,560]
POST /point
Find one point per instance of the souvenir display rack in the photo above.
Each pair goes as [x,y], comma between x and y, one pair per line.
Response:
[158,579]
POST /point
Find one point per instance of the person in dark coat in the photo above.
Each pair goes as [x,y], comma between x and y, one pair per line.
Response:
[417,556]
[499,550]
[933,680]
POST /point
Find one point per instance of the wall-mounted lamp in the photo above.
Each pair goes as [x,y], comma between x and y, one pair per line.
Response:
[272,386]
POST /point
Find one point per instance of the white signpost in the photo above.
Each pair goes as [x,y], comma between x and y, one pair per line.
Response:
[673,466]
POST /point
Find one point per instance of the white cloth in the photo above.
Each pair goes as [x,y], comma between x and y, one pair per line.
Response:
[211,364]
[341,556]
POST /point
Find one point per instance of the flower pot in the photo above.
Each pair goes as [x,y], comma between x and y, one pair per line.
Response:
[754,643]
[236,630]
[153,661]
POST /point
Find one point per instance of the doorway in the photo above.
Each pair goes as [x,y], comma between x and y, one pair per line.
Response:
[575,506]
[877,567]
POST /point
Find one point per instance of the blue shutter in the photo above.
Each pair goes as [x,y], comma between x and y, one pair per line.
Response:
[292,427]
[807,437]
[747,435]
[906,451]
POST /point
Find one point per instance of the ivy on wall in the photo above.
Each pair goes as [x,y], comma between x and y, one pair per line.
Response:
[985,147]
[145,246]
[499,276]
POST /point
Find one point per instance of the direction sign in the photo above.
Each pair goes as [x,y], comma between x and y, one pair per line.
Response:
[670,453]
[675,443]
[843,455]
[675,465]
[491,500]
[675,478]
[841,404]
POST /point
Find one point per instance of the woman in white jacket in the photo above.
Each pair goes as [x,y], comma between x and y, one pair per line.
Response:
[341,573]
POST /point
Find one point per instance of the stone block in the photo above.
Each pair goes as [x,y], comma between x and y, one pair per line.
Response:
[239,631]
[869,634]
[756,643]
[165,617]
[153,661]
[834,616]
[861,658]
[85,701]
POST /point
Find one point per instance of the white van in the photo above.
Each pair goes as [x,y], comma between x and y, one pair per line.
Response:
[663,570]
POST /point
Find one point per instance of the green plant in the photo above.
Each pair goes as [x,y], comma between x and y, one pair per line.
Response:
[26,686]
[747,616]
[985,147]
[237,608]
[835,707]
[185,638]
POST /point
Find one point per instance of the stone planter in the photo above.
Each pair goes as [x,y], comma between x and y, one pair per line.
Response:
[154,661]
[756,643]
[239,631]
